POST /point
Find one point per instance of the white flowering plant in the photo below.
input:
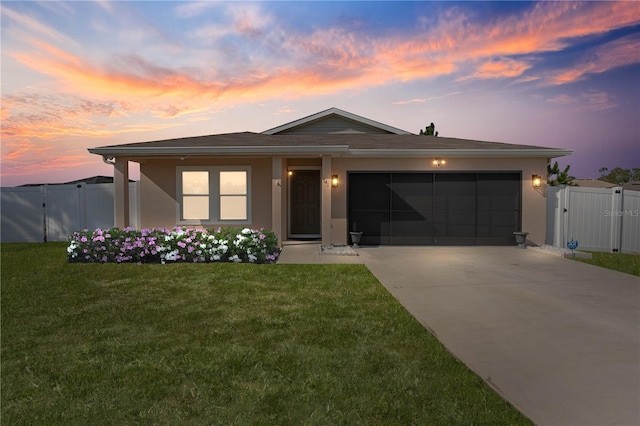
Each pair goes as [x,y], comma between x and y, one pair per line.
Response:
[160,245]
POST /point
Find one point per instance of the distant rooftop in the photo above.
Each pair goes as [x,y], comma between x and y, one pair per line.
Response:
[87,181]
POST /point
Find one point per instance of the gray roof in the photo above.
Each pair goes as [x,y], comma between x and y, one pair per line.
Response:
[593,183]
[356,144]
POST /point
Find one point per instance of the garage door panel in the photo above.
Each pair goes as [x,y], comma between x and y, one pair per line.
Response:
[507,218]
[454,241]
[453,230]
[410,241]
[435,208]
[411,191]
[369,191]
[497,203]
[413,223]
[411,202]
[454,223]
[498,191]
[455,191]
[455,217]
[495,231]
[374,225]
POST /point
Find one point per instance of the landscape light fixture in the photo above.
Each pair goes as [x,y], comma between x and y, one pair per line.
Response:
[536,181]
[334,181]
[439,163]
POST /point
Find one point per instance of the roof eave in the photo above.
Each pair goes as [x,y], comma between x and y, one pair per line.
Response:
[218,150]
[338,150]
[543,153]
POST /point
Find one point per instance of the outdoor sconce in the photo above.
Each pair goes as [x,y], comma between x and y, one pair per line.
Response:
[334,181]
[290,173]
[536,181]
[439,163]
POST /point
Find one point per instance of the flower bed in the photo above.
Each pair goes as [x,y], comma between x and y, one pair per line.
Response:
[159,245]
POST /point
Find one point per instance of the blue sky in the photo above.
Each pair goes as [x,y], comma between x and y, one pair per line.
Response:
[77,75]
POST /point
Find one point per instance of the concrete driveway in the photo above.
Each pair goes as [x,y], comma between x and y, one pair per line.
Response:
[559,339]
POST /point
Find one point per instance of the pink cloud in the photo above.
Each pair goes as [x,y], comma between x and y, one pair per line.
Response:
[16,150]
[504,67]
[410,101]
[330,60]
[592,100]
[618,53]
[44,165]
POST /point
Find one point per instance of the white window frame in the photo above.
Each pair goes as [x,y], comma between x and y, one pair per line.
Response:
[214,195]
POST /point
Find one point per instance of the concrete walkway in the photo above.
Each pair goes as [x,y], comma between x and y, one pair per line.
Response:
[308,252]
[557,338]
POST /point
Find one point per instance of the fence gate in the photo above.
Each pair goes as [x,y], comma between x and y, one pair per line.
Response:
[599,219]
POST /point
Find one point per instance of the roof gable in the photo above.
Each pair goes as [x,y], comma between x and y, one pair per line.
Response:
[331,121]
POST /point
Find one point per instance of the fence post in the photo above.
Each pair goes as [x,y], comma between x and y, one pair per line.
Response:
[616,220]
[44,213]
[564,211]
[82,207]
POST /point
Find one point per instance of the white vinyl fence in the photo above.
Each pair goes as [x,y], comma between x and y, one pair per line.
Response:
[53,212]
[606,220]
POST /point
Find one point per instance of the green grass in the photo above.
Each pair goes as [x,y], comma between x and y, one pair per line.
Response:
[221,344]
[628,263]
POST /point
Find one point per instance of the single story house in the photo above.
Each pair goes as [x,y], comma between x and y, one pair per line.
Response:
[324,175]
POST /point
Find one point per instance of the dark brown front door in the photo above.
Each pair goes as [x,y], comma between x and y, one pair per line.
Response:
[305,203]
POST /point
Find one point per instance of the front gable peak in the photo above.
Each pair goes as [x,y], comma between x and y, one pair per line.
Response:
[331,121]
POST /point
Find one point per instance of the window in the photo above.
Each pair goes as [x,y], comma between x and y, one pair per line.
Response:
[195,195]
[213,194]
[233,195]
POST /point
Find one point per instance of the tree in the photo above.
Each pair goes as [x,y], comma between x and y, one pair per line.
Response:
[619,175]
[430,130]
[556,177]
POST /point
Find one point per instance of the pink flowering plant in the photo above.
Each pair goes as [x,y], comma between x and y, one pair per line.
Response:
[160,245]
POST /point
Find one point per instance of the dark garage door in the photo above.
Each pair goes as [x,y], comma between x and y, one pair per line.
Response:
[416,208]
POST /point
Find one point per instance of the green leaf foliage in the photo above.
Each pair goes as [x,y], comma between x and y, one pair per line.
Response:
[556,177]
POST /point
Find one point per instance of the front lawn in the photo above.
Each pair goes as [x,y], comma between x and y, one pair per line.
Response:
[628,263]
[221,343]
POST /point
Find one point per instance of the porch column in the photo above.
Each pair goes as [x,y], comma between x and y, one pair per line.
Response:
[121,192]
[276,197]
[326,200]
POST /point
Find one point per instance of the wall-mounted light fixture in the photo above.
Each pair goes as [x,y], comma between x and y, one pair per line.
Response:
[536,181]
[439,163]
[290,173]
[334,181]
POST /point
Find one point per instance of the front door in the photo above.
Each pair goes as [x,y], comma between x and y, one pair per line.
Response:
[305,204]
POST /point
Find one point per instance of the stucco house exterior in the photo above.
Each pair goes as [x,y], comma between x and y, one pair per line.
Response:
[324,175]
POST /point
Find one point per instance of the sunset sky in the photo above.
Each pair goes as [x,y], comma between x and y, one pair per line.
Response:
[77,75]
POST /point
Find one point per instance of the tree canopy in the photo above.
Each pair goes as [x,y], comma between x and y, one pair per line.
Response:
[430,130]
[556,177]
[619,175]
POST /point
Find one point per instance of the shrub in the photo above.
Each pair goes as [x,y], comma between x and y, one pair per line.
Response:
[160,245]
